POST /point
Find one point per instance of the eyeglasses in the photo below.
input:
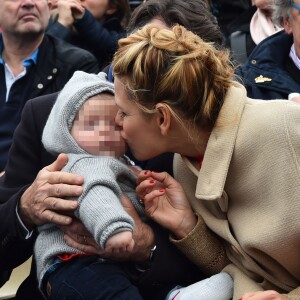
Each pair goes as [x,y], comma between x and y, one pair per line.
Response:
[295,5]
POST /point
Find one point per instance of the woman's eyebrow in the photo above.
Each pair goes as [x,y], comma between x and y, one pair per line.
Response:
[117,104]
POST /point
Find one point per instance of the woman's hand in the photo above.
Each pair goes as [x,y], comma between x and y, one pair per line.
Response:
[265,295]
[166,203]
[44,200]
[68,11]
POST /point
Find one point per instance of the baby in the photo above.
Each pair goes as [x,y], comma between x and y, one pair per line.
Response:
[82,125]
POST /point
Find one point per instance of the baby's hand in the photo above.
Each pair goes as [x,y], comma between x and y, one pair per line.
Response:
[120,242]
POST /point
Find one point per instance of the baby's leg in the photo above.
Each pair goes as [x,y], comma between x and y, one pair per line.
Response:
[217,287]
[120,242]
[90,277]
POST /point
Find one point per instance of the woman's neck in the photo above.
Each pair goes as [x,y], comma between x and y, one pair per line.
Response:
[191,144]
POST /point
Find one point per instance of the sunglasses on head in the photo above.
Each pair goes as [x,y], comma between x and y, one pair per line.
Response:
[295,5]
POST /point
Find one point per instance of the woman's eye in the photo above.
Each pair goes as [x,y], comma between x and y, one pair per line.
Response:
[122,114]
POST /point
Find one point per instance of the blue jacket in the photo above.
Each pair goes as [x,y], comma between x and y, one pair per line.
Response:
[99,39]
[269,73]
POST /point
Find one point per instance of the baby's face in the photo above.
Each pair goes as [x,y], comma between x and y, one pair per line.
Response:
[94,128]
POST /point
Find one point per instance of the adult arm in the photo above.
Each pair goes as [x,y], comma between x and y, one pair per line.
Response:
[26,158]
[152,269]
[166,203]
[96,35]
[60,31]
[63,27]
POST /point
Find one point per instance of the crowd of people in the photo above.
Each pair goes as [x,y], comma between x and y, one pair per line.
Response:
[148,149]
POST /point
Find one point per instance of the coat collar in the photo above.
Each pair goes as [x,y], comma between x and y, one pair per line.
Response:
[217,157]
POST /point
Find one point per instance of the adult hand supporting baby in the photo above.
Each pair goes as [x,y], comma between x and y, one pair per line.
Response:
[43,201]
[143,237]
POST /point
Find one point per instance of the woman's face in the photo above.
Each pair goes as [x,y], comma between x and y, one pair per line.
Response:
[141,133]
[98,8]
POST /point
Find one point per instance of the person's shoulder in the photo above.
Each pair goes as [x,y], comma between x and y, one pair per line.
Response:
[113,24]
[44,100]
[40,107]
[273,50]
[272,45]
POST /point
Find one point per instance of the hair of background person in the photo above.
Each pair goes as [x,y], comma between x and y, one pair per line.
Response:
[175,67]
[195,15]
[123,11]
[281,11]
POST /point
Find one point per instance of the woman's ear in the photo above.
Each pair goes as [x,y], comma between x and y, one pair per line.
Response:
[164,118]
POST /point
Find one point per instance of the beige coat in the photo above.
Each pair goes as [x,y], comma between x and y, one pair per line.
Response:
[248,193]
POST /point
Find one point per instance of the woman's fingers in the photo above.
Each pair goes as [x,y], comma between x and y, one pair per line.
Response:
[145,187]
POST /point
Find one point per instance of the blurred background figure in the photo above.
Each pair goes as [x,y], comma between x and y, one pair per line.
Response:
[191,14]
[134,4]
[227,12]
[94,25]
[252,27]
[272,71]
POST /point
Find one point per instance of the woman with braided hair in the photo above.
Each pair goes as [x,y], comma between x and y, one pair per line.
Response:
[233,206]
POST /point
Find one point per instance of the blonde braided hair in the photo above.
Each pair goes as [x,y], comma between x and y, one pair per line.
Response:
[175,67]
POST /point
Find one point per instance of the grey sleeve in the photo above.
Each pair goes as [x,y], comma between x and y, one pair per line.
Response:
[100,208]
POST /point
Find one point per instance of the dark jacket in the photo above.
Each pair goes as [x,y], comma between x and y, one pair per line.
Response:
[27,157]
[269,73]
[99,39]
[227,12]
[240,40]
[56,63]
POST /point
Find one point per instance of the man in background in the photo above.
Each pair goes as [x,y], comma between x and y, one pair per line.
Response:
[31,62]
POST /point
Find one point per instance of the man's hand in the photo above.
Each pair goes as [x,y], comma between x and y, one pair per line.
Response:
[77,236]
[44,200]
[143,237]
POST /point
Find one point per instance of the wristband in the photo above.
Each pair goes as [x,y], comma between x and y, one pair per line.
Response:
[142,267]
[152,252]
